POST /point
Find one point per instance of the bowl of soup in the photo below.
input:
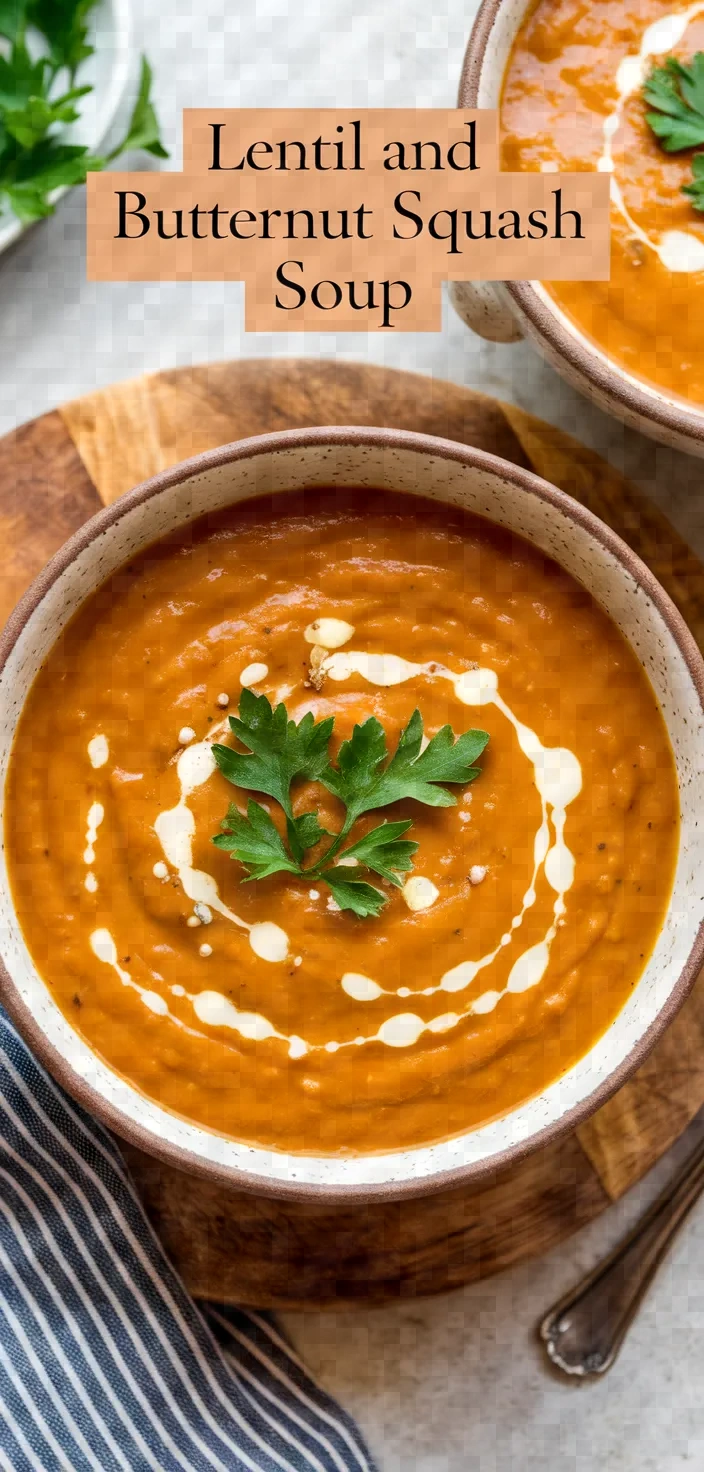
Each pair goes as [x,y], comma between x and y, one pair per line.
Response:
[568,80]
[242,648]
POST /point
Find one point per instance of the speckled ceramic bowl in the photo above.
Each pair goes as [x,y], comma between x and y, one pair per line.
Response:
[458,476]
[509,310]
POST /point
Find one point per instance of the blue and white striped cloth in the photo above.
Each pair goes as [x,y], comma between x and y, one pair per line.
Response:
[105,1361]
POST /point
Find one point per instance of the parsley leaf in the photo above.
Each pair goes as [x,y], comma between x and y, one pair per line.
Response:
[676,93]
[354,894]
[20,78]
[385,852]
[279,750]
[255,841]
[13,14]
[46,167]
[362,786]
[381,851]
[35,106]
[143,130]
[29,124]
[695,190]
[64,24]
[305,832]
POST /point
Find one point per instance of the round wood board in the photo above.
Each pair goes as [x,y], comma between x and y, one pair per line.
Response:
[54,473]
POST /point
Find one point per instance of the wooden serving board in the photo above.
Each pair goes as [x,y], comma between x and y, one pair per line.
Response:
[58,470]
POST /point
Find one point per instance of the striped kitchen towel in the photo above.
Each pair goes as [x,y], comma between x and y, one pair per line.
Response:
[105,1361]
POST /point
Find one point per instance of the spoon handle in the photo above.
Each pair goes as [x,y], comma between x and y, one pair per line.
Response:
[583,1333]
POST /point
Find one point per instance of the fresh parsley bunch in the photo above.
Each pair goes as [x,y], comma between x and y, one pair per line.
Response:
[279,752]
[675,93]
[46,45]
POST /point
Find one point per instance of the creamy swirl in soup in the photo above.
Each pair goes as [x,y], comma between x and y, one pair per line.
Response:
[573,99]
[263,1009]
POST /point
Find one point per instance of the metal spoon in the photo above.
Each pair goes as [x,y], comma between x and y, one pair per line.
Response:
[584,1332]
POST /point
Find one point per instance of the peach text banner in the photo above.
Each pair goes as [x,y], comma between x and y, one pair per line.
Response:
[346,220]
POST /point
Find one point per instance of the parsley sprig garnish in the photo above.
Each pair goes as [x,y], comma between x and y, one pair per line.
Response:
[675,93]
[278,753]
[39,97]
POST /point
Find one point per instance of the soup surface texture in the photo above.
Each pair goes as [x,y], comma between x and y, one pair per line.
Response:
[259,1008]
[572,99]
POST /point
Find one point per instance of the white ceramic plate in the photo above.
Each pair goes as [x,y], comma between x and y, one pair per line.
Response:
[109,71]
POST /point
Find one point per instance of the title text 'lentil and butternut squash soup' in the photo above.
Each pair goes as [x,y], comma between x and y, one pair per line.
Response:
[601,86]
[341,821]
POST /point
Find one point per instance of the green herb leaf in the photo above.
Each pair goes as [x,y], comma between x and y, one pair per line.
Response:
[29,124]
[21,78]
[308,830]
[361,783]
[255,841]
[358,763]
[353,894]
[143,130]
[676,93]
[64,23]
[33,107]
[305,832]
[13,15]
[280,751]
[384,850]
[38,172]
[695,190]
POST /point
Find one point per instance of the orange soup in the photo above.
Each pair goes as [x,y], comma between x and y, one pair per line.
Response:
[572,99]
[265,1009]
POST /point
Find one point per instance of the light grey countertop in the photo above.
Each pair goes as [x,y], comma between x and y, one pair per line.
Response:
[453,1384]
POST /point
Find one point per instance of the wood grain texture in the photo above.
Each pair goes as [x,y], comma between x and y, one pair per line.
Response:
[613,498]
[254,1250]
[630,1133]
[45,495]
[131,431]
[251,1250]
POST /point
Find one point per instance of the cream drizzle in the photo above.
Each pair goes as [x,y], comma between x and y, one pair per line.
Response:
[678,250]
[558,779]
[330,633]
[254,674]
[215,1010]
[420,893]
[360,988]
[98,751]
[210,1007]
[218,1011]
[175,829]
[96,814]
[103,946]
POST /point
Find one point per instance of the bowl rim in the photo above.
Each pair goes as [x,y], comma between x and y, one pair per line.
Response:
[591,362]
[137,1135]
